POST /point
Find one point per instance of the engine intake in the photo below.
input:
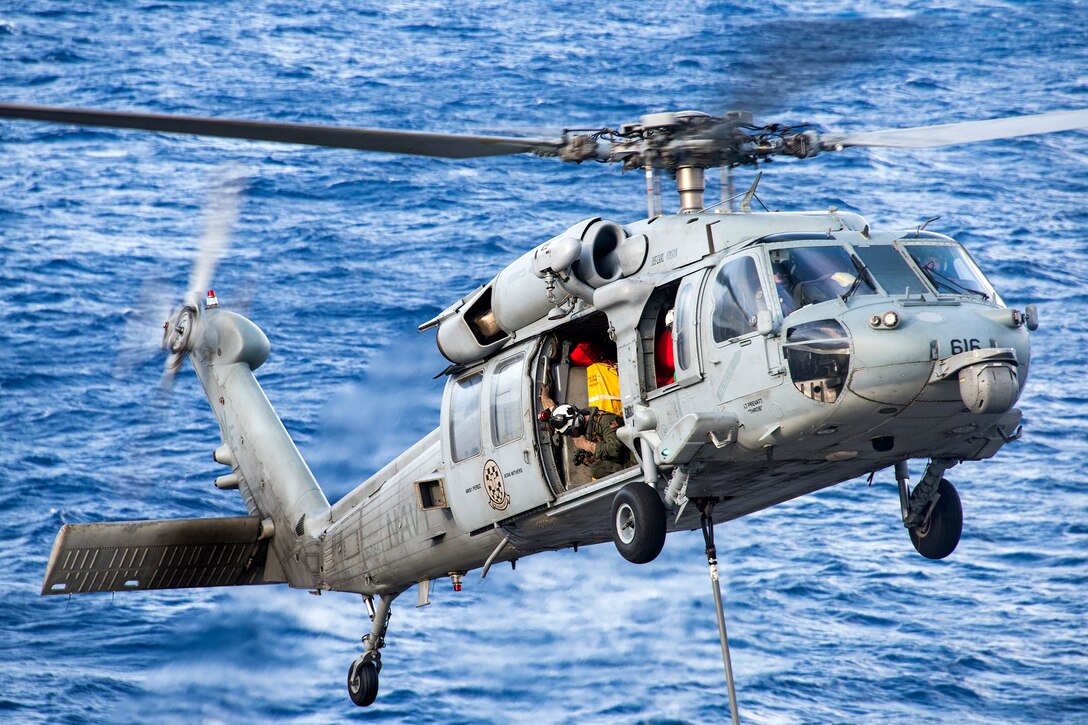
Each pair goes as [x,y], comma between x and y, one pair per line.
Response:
[600,260]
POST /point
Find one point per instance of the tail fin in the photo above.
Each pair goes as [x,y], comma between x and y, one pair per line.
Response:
[277,542]
[273,478]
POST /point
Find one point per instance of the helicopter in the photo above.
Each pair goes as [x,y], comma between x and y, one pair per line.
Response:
[807,349]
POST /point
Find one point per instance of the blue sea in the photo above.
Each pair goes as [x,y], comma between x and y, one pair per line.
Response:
[340,255]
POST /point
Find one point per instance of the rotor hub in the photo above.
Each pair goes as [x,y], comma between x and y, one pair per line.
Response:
[177,330]
[675,140]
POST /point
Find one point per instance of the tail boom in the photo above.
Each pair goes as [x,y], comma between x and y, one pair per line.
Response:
[274,480]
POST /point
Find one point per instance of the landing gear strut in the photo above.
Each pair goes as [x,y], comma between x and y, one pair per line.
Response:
[932,512]
[363,673]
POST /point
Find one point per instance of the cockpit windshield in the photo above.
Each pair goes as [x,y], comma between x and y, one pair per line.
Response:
[807,275]
[950,270]
[891,269]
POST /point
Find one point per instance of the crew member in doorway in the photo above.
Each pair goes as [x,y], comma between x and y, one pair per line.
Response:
[593,433]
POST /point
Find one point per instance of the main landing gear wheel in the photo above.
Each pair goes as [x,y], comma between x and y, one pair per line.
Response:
[937,536]
[638,523]
[363,682]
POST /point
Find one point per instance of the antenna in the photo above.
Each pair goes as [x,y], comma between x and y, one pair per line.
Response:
[925,224]
[746,202]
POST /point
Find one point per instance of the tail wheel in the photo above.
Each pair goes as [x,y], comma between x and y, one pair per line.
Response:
[363,683]
[638,523]
[938,536]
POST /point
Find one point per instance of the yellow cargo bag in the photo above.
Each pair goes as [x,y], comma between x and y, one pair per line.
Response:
[603,384]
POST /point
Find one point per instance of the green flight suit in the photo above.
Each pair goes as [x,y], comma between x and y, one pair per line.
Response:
[611,455]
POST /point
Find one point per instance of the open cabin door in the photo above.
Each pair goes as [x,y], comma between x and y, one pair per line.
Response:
[681,297]
[488,428]
[577,363]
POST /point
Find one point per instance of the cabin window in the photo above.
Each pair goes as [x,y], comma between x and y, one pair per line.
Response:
[738,298]
[464,417]
[950,270]
[507,416]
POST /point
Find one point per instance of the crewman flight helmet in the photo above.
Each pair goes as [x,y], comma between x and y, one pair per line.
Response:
[567,420]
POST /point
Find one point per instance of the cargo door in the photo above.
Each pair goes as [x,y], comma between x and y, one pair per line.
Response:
[486,422]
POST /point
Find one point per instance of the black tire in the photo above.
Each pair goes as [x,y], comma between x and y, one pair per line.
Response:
[939,537]
[363,683]
[638,523]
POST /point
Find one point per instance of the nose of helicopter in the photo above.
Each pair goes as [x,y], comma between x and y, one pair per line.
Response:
[965,355]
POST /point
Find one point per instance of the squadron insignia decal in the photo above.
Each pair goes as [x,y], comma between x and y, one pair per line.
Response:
[496,489]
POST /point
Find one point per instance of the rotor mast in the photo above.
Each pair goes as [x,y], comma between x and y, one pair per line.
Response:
[690,183]
[659,132]
[683,144]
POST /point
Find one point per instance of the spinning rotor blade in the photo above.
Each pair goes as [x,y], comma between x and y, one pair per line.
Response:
[221,213]
[950,134]
[140,339]
[219,218]
[447,145]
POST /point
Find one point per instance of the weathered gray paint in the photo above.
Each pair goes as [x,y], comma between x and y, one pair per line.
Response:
[378,538]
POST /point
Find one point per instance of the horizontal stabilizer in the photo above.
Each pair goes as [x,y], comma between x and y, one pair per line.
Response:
[135,555]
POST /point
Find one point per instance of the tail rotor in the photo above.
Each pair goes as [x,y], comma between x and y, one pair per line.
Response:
[221,213]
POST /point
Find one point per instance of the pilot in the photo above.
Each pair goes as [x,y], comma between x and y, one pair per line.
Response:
[594,432]
[785,283]
[937,269]
[932,263]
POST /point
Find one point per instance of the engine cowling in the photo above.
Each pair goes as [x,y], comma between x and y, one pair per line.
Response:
[598,252]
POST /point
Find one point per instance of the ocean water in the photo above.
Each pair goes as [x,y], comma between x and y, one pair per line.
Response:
[339,255]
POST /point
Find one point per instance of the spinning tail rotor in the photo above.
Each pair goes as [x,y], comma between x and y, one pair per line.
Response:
[221,213]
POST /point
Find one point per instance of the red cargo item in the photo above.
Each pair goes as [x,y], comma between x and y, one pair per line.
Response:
[584,354]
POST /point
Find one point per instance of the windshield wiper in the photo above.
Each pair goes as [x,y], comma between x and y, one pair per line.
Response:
[862,273]
[951,284]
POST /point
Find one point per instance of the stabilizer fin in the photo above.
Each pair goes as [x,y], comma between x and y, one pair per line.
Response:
[176,554]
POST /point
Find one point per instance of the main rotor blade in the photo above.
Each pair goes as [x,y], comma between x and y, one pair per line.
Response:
[447,145]
[950,134]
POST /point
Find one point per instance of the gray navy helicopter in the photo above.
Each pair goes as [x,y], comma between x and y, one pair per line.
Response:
[759,356]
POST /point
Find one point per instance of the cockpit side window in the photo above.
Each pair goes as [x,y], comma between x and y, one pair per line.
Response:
[808,275]
[950,270]
[738,298]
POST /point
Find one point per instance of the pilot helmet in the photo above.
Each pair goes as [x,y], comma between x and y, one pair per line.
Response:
[932,262]
[670,316]
[567,420]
